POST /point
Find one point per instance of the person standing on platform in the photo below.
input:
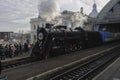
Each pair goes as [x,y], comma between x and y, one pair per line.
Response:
[30,49]
[25,47]
[20,48]
[1,52]
[0,67]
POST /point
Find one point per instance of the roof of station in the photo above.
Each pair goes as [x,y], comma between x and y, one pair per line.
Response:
[106,9]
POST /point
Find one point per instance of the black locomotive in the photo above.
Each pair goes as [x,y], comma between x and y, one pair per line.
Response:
[59,40]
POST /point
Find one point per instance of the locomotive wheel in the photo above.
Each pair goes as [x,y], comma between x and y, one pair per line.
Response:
[46,55]
[67,50]
[71,49]
[76,48]
[79,47]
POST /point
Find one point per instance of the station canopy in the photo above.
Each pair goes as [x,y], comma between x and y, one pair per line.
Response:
[109,17]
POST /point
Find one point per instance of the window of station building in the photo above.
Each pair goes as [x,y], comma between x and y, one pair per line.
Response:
[35,37]
[38,27]
[34,27]
[119,3]
[43,25]
[112,10]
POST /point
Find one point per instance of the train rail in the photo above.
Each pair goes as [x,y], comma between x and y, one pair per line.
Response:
[90,69]
[15,63]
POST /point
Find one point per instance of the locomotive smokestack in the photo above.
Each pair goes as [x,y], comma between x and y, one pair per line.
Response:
[81,10]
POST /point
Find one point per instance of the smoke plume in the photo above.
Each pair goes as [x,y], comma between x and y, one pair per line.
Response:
[49,9]
[78,20]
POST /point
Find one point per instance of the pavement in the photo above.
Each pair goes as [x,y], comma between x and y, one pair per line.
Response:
[24,55]
[112,72]
[3,77]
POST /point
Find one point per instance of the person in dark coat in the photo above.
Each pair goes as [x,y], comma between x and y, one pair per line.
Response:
[1,52]
[20,48]
[26,47]
[0,67]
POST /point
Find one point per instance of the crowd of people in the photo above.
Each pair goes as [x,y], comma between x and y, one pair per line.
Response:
[14,50]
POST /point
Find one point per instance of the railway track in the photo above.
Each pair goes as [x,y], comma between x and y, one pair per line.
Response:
[15,63]
[90,69]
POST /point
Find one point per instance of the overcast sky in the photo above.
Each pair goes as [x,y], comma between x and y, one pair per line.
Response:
[15,14]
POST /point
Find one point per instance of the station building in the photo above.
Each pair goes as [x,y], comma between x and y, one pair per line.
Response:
[109,18]
[6,35]
[91,18]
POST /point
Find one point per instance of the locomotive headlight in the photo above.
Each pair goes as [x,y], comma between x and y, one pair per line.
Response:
[40,36]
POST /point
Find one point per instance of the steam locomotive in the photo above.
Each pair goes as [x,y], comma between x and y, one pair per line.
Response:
[60,40]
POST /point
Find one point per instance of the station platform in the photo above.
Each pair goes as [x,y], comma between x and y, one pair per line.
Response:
[112,72]
[40,67]
[24,55]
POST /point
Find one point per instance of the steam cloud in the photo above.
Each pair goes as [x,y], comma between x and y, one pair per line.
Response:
[49,9]
[78,20]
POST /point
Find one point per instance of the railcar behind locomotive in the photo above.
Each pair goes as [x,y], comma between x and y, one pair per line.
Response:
[109,37]
[59,40]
